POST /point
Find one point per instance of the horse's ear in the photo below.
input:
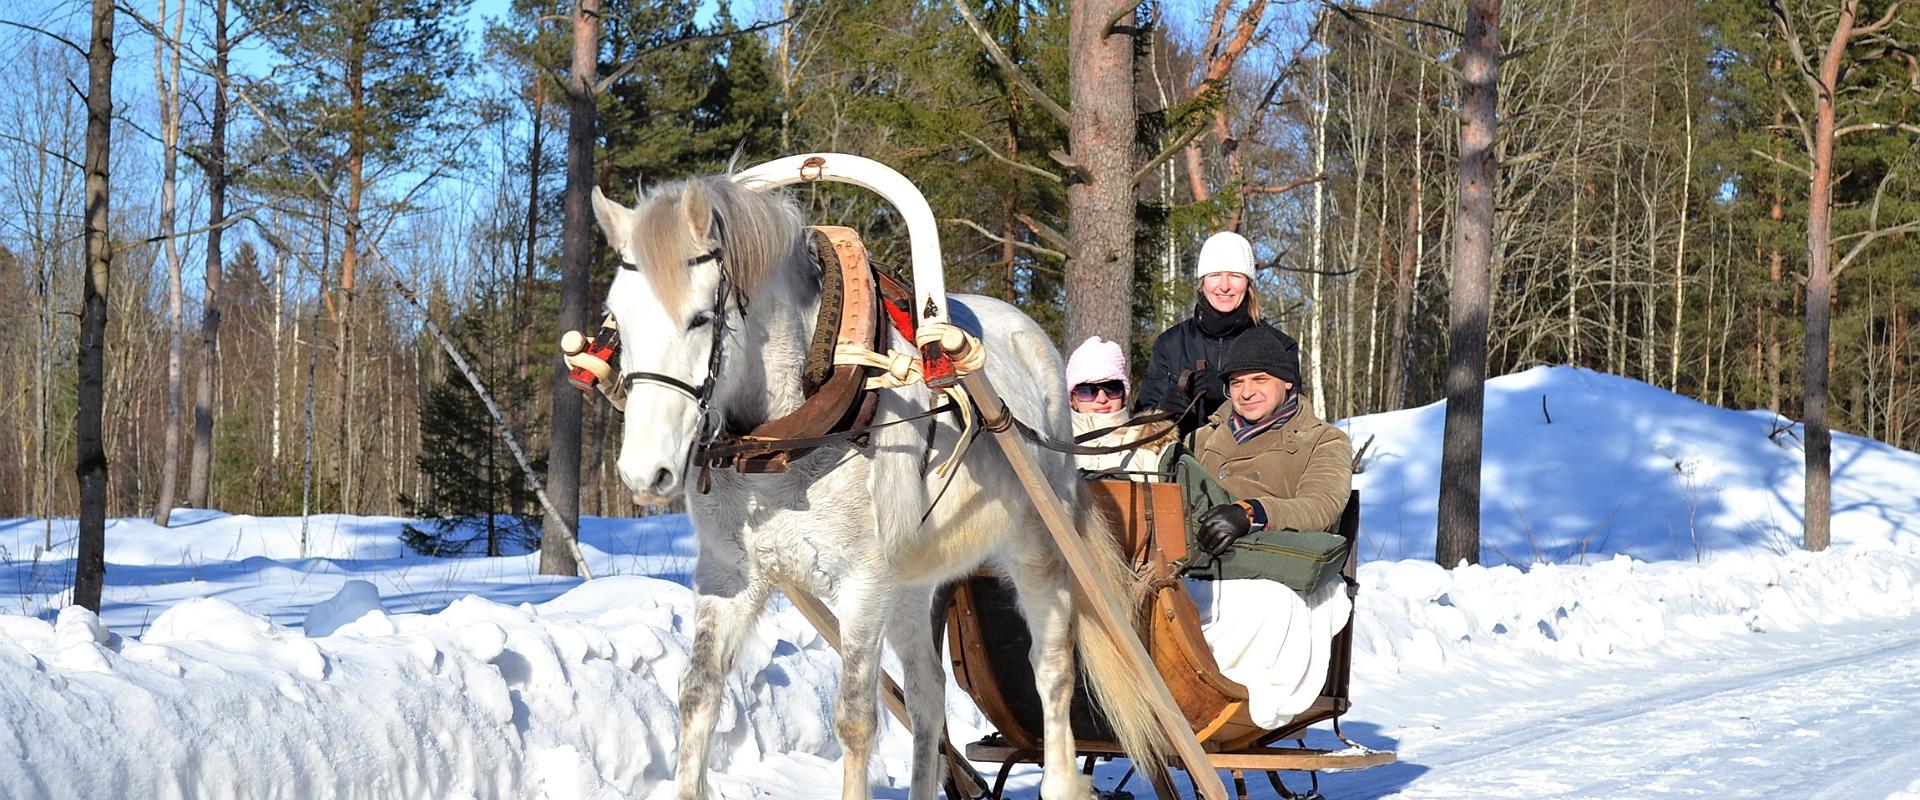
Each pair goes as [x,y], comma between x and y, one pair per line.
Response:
[697,210]
[615,220]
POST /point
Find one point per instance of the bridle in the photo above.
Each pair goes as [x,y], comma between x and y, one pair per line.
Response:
[702,396]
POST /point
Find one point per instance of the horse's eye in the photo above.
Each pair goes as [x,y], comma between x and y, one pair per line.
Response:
[700,321]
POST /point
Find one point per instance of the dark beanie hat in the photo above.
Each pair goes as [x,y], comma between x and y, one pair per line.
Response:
[1265,348]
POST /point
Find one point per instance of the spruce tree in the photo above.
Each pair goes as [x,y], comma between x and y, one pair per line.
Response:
[477,501]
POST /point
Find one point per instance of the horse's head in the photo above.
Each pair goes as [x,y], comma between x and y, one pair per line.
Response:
[691,252]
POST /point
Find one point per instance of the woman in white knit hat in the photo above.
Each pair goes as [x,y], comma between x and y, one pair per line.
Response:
[1225,306]
[1097,388]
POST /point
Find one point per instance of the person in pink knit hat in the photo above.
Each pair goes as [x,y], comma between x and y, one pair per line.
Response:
[1097,388]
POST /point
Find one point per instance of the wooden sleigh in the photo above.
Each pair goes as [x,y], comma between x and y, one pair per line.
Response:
[987,643]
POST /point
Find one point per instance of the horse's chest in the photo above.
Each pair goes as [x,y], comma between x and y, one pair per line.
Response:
[803,528]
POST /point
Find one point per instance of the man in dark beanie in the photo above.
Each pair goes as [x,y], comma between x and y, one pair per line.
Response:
[1263,464]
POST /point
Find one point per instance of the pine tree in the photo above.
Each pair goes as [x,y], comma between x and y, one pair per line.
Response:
[477,501]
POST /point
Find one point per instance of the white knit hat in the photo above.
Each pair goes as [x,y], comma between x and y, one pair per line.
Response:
[1097,360]
[1225,251]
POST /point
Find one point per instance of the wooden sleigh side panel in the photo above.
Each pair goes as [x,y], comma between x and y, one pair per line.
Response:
[988,640]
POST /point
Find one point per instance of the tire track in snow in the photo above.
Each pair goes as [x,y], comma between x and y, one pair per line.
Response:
[1833,726]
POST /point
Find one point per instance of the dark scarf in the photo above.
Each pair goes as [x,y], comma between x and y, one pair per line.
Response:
[1217,325]
[1243,430]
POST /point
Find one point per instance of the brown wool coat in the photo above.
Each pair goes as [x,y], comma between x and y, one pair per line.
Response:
[1301,473]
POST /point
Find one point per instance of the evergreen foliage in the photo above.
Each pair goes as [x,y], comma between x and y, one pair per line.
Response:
[477,501]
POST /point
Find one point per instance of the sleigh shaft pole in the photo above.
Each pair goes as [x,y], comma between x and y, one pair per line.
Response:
[959,770]
[1084,577]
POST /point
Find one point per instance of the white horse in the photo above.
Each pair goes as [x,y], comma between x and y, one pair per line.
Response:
[716,303]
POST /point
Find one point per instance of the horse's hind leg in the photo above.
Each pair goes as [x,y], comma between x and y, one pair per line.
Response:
[925,688]
[1047,604]
[864,610]
[725,612]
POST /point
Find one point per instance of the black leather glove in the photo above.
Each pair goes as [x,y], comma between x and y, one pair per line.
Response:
[1201,382]
[1219,527]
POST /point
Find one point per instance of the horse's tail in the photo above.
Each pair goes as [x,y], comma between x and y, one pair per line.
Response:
[1114,685]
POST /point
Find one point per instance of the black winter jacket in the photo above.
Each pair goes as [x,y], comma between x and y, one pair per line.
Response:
[1181,348]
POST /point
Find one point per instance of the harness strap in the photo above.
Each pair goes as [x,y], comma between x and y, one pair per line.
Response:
[628,380]
[730,447]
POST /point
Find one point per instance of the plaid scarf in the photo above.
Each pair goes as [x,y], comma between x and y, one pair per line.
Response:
[1243,430]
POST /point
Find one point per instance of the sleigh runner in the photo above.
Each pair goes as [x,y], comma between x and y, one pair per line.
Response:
[878,362]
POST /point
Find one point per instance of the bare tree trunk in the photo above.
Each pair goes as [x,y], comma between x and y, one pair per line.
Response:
[560,528]
[90,463]
[200,470]
[167,83]
[1100,205]
[313,366]
[1819,452]
[1777,214]
[1680,246]
[1316,318]
[349,264]
[1403,303]
[1574,267]
[1459,512]
[279,347]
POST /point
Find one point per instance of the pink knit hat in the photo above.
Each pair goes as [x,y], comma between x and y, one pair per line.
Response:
[1097,360]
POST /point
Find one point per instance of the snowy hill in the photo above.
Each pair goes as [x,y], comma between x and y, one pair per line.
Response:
[1582,465]
[1645,626]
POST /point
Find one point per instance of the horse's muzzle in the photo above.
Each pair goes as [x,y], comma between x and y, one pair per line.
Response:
[650,499]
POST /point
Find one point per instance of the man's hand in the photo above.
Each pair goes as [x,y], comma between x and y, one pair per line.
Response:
[1219,527]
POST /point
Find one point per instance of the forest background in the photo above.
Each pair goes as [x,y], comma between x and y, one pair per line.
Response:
[287,218]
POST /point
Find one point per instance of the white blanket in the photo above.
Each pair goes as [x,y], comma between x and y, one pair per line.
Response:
[1271,640]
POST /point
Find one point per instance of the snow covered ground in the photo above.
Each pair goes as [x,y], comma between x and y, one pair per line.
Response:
[1645,626]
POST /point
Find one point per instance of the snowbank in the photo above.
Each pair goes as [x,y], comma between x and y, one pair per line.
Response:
[569,698]
[1622,467]
[1636,528]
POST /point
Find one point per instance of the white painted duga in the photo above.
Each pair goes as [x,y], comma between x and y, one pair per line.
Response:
[929,272]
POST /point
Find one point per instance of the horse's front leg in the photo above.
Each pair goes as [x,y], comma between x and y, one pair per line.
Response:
[724,613]
[1047,604]
[925,688]
[865,604]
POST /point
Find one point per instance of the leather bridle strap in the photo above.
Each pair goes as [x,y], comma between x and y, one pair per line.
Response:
[700,396]
[629,379]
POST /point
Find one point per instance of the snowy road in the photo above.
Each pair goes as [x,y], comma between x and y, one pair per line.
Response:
[1763,721]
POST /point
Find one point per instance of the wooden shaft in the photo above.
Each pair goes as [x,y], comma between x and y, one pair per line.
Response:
[824,621]
[1088,589]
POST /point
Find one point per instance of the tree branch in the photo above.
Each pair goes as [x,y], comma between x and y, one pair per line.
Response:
[608,81]
[1277,264]
[1171,149]
[229,220]
[49,34]
[1052,236]
[1112,25]
[1877,126]
[1395,43]
[1803,171]
[1284,187]
[1872,233]
[1879,24]
[1028,168]
[998,239]
[1012,70]
[1350,11]
[42,148]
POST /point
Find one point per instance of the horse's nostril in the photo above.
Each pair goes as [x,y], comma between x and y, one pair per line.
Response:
[662,478]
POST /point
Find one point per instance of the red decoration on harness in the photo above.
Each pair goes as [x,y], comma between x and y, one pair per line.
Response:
[590,360]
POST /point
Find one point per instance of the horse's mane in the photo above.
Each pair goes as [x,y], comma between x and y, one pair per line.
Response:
[759,233]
